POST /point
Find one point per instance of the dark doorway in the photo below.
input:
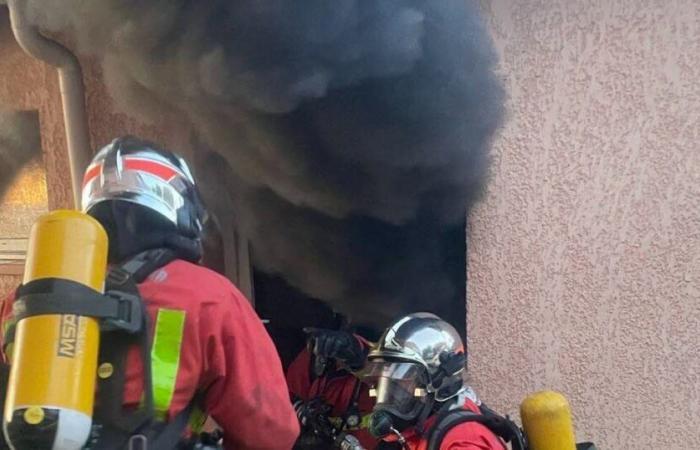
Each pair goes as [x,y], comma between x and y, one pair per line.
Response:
[290,310]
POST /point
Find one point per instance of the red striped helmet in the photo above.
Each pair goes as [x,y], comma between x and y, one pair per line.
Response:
[137,171]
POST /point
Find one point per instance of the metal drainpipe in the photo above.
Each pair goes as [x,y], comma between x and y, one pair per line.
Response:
[72,89]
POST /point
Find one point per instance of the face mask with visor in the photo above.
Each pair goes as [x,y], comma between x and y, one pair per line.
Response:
[398,387]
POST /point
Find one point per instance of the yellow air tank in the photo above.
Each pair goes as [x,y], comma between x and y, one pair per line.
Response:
[546,418]
[51,388]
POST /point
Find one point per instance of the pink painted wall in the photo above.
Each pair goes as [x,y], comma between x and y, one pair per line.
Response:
[584,257]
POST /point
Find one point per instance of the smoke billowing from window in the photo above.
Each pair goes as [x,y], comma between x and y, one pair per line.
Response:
[19,143]
[350,135]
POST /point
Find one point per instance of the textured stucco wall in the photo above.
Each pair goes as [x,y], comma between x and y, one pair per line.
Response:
[584,257]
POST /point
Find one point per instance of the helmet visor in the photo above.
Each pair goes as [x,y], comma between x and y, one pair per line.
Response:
[399,387]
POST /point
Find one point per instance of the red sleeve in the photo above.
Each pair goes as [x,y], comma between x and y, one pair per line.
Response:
[363,342]
[5,320]
[471,436]
[298,376]
[247,394]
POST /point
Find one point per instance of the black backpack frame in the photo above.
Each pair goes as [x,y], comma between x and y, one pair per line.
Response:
[501,426]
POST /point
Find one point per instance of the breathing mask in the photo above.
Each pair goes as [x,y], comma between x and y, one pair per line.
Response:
[401,397]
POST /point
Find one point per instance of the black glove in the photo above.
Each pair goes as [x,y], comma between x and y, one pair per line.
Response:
[339,345]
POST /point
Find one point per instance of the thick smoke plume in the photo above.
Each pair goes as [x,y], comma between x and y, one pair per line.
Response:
[350,134]
[19,143]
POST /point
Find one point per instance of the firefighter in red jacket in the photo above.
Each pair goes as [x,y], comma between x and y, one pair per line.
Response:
[413,378]
[207,344]
[416,377]
[323,386]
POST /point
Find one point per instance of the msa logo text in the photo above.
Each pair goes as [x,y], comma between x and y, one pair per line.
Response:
[68,340]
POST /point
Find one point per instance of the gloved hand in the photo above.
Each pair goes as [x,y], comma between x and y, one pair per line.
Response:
[339,345]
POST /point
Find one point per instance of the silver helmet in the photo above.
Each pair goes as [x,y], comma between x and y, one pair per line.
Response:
[421,349]
[136,171]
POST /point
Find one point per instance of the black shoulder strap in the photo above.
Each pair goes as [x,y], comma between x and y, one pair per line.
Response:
[109,411]
[151,436]
[119,425]
[502,427]
[119,308]
[167,435]
[59,296]
[139,267]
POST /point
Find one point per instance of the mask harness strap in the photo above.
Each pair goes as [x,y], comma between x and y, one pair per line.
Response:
[424,414]
[452,364]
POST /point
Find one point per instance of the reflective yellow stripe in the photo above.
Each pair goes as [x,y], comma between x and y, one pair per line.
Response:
[197,420]
[165,357]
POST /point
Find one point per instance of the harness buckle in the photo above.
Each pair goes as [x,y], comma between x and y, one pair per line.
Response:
[138,442]
[118,276]
[129,315]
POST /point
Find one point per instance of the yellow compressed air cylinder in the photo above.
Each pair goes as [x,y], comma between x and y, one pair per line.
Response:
[51,388]
[546,418]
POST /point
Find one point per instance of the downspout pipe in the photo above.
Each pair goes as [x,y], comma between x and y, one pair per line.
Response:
[70,77]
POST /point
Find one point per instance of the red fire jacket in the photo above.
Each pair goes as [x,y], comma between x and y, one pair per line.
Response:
[224,350]
[465,436]
[336,391]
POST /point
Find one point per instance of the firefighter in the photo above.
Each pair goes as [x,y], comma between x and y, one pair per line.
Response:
[329,399]
[422,403]
[206,345]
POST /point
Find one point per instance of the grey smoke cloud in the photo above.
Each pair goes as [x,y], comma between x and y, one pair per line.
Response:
[19,143]
[350,135]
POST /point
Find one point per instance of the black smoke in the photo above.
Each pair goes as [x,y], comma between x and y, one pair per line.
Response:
[349,136]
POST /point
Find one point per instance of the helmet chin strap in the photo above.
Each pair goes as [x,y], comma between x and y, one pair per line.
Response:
[399,438]
[383,425]
[424,414]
